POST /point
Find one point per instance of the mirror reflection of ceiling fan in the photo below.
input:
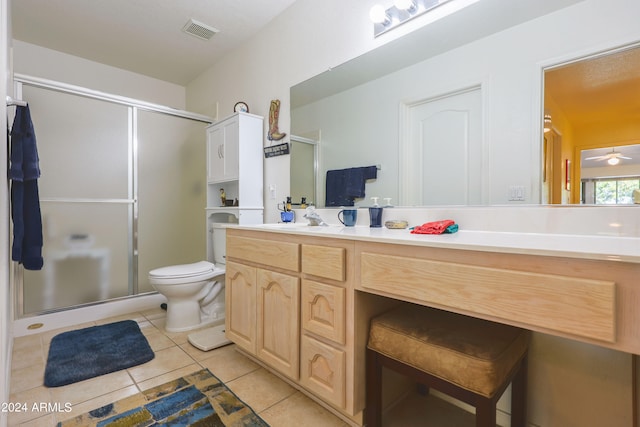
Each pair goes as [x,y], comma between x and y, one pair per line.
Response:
[613,158]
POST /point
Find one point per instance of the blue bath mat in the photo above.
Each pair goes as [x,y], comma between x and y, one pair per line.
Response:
[90,352]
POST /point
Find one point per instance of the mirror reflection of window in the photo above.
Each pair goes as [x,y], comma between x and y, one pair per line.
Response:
[614,191]
[610,175]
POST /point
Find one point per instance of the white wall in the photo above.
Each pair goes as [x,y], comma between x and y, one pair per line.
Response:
[49,64]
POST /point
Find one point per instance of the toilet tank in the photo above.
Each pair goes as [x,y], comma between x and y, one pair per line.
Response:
[219,243]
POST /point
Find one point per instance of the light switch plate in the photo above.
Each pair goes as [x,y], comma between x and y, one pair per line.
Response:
[516,193]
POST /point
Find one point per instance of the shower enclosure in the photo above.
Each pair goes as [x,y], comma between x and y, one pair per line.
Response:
[121,193]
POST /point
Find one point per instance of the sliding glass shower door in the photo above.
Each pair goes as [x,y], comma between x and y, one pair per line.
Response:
[121,193]
[85,189]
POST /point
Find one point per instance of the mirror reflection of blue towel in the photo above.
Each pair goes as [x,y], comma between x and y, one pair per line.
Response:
[345,185]
[25,202]
[356,179]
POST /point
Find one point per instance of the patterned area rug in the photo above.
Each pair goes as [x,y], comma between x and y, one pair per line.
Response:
[198,400]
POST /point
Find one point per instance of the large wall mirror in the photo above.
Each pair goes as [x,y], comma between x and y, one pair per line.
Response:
[592,129]
[364,110]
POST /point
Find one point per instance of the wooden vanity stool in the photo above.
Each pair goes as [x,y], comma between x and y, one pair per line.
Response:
[470,359]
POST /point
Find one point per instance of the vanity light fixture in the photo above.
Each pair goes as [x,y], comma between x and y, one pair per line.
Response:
[379,16]
[613,161]
[547,122]
[408,5]
[401,12]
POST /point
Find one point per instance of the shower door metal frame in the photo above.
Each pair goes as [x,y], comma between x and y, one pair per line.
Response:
[133,106]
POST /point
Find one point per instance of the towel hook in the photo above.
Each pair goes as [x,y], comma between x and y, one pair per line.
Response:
[11,101]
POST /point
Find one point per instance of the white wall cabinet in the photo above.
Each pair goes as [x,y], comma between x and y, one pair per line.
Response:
[223,150]
[234,160]
[235,164]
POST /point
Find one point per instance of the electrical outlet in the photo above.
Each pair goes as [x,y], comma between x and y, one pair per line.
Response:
[272,192]
[516,193]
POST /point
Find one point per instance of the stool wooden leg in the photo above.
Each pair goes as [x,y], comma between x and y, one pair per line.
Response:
[519,396]
[422,389]
[373,410]
[486,413]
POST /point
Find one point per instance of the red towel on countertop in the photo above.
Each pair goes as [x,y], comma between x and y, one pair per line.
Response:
[435,227]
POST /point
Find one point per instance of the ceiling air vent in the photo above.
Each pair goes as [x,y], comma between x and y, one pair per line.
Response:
[199,30]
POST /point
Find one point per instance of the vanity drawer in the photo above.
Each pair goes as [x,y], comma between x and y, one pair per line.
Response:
[573,305]
[322,370]
[324,261]
[277,254]
[323,310]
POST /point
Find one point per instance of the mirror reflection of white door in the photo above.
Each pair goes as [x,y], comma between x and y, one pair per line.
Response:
[442,150]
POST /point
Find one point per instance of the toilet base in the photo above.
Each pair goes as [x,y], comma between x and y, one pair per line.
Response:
[185,316]
[202,324]
[209,339]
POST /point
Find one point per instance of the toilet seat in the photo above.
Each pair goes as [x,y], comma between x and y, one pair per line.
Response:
[185,273]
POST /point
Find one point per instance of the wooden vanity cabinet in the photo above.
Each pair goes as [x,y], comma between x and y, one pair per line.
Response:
[263,301]
[324,351]
[300,304]
[290,304]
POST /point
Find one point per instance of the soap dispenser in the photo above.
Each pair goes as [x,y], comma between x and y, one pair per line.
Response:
[375,214]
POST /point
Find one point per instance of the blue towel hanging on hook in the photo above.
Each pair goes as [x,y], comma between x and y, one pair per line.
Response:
[24,171]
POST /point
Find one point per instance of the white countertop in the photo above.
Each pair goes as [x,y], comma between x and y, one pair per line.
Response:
[597,246]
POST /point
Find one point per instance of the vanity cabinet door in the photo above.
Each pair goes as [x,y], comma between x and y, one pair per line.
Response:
[324,310]
[323,370]
[240,300]
[278,312]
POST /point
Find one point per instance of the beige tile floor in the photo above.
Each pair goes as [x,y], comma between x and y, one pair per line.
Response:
[279,404]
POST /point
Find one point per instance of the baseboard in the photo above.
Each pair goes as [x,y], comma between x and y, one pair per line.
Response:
[63,319]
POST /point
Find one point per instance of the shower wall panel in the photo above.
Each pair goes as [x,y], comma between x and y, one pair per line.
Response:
[171,171]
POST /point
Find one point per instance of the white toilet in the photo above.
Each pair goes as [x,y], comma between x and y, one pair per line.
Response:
[191,290]
[195,295]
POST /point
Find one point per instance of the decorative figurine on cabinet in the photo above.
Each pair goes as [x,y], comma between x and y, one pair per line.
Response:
[223,197]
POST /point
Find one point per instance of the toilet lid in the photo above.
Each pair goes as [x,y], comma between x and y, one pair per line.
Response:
[183,270]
